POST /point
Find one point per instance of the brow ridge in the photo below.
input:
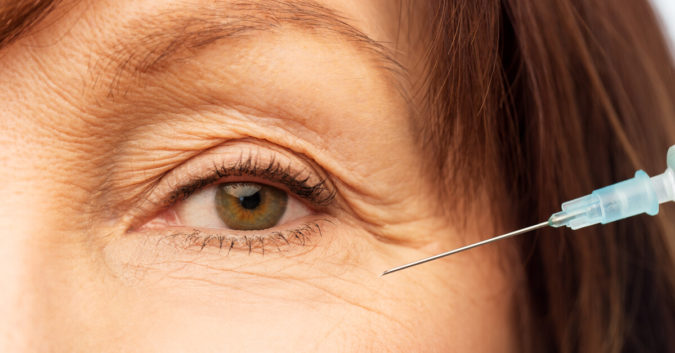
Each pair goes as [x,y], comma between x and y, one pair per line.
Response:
[151,45]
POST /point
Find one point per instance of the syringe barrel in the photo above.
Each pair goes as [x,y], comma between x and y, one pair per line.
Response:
[621,200]
[628,198]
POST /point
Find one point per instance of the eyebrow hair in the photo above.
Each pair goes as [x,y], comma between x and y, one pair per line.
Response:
[153,44]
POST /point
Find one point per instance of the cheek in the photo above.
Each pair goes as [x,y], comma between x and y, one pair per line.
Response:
[327,298]
[447,306]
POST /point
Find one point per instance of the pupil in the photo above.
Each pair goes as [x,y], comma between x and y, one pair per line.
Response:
[250,202]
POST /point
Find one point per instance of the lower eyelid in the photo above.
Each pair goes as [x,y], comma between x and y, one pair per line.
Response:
[302,235]
[164,254]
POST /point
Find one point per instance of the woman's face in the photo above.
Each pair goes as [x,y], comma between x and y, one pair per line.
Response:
[137,132]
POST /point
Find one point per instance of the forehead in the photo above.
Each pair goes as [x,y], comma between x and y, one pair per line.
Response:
[111,48]
[124,41]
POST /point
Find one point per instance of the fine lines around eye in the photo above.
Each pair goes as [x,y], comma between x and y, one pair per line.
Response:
[254,243]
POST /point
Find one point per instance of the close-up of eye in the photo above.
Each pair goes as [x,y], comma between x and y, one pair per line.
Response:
[241,196]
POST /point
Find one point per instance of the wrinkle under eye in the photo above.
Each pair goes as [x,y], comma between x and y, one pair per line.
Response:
[250,206]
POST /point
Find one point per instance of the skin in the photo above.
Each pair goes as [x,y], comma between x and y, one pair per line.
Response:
[85,166]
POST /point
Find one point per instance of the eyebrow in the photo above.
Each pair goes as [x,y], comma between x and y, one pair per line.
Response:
[155,43]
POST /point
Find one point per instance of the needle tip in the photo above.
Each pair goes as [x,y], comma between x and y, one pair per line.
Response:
[389,271]
[386,272]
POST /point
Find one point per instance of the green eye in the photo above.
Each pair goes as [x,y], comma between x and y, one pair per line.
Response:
[250,206]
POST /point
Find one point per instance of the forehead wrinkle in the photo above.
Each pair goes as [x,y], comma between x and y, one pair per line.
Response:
[150,45]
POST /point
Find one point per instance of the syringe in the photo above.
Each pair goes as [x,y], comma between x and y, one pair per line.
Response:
[628,198]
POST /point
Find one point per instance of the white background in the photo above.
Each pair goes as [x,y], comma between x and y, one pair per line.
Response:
[667,11]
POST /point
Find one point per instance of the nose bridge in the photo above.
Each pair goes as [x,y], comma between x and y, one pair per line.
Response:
[43,258]
[39,261]
[23,230]
[19,319]
[34,177]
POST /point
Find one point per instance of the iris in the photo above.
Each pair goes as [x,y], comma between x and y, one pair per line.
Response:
[250,206]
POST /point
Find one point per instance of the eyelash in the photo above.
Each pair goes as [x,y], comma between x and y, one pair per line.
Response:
[318,194]
[299,236]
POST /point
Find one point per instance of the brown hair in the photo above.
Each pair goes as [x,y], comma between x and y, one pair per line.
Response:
[17,16]
[543,100]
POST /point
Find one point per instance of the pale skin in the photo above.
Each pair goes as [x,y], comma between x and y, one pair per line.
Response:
[89,152]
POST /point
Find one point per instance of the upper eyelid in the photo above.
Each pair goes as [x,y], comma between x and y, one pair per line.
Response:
[318,193]
[198,172]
